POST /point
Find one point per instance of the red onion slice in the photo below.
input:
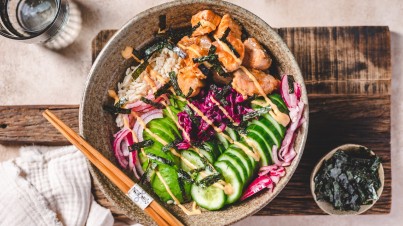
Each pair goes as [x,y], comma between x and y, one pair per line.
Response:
[257,185]
[117,147]
[290,99]
[138,129]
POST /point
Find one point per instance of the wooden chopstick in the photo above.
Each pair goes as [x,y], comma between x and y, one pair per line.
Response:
[121,180]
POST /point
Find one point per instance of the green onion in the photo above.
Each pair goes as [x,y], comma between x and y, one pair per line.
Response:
[174,83]
[139,145]
[224,39]
[256,113]
[159,159]
[117,110]
[209,180]
[152,103]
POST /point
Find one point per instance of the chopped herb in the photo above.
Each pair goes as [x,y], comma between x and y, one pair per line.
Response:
[256,113]
[174,83]
[152,103]
[159,159]
[291,81]
[189,93]
[142,144]
[163,89]
[209,58]
[349,179]
[136,73]
[209,180]
[171,145]
[117,110]
[224,39]
[162,22]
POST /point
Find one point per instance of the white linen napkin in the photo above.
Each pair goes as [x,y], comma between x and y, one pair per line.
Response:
[48,186]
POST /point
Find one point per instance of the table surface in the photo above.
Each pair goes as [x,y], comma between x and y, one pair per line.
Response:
[31,74]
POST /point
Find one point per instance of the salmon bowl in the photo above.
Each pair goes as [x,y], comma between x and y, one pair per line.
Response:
[203,104]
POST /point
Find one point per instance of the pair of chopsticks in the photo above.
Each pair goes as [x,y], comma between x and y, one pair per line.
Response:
[159,214]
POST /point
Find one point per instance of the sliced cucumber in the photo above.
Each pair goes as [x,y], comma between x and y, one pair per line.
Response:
[211,198]
[278,100]
[246,161]
[231,176]
[192,157]
[280,128]
[223,141]
[261,148]
[232,133]
[264,126]
[237,163]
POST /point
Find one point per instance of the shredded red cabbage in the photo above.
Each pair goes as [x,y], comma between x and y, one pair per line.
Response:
[235,106]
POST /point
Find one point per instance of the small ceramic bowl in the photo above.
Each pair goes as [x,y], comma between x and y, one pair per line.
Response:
[326,206]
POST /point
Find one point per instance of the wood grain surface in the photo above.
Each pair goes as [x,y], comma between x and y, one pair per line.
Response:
[347,72]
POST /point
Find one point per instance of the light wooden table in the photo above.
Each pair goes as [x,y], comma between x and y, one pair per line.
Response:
[31,74]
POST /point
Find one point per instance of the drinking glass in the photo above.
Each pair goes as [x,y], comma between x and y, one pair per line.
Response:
[54,23]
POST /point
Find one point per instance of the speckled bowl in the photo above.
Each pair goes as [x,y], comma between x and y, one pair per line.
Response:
[328,207]
[98,126]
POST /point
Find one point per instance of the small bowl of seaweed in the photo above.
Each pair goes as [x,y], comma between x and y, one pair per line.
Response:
[348,180]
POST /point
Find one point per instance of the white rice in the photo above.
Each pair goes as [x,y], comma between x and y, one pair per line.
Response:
[132,90]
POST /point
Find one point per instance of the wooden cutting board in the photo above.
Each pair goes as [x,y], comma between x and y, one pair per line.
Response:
[347,72]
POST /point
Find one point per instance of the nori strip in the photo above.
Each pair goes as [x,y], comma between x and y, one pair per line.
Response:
[209,180]
[159,159]
[208,58]
[152,103]
[224,39]
[175,84]
[184,175]
[192,116]
[139,145]
[162,22]
[163,89]
[116,110]
[171,145]
[136,73]
[291,81]
[189,93]
[121,102]
[256,113]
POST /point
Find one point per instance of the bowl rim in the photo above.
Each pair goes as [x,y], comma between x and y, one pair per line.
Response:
[327,207]
[303,129]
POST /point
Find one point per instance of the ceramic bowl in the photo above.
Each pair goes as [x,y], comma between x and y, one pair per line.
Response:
[98,127]
[326,206]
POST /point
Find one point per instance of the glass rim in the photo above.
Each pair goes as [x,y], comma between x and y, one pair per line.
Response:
[45,34]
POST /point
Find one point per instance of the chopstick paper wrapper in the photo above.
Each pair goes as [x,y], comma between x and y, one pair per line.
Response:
[139,196]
